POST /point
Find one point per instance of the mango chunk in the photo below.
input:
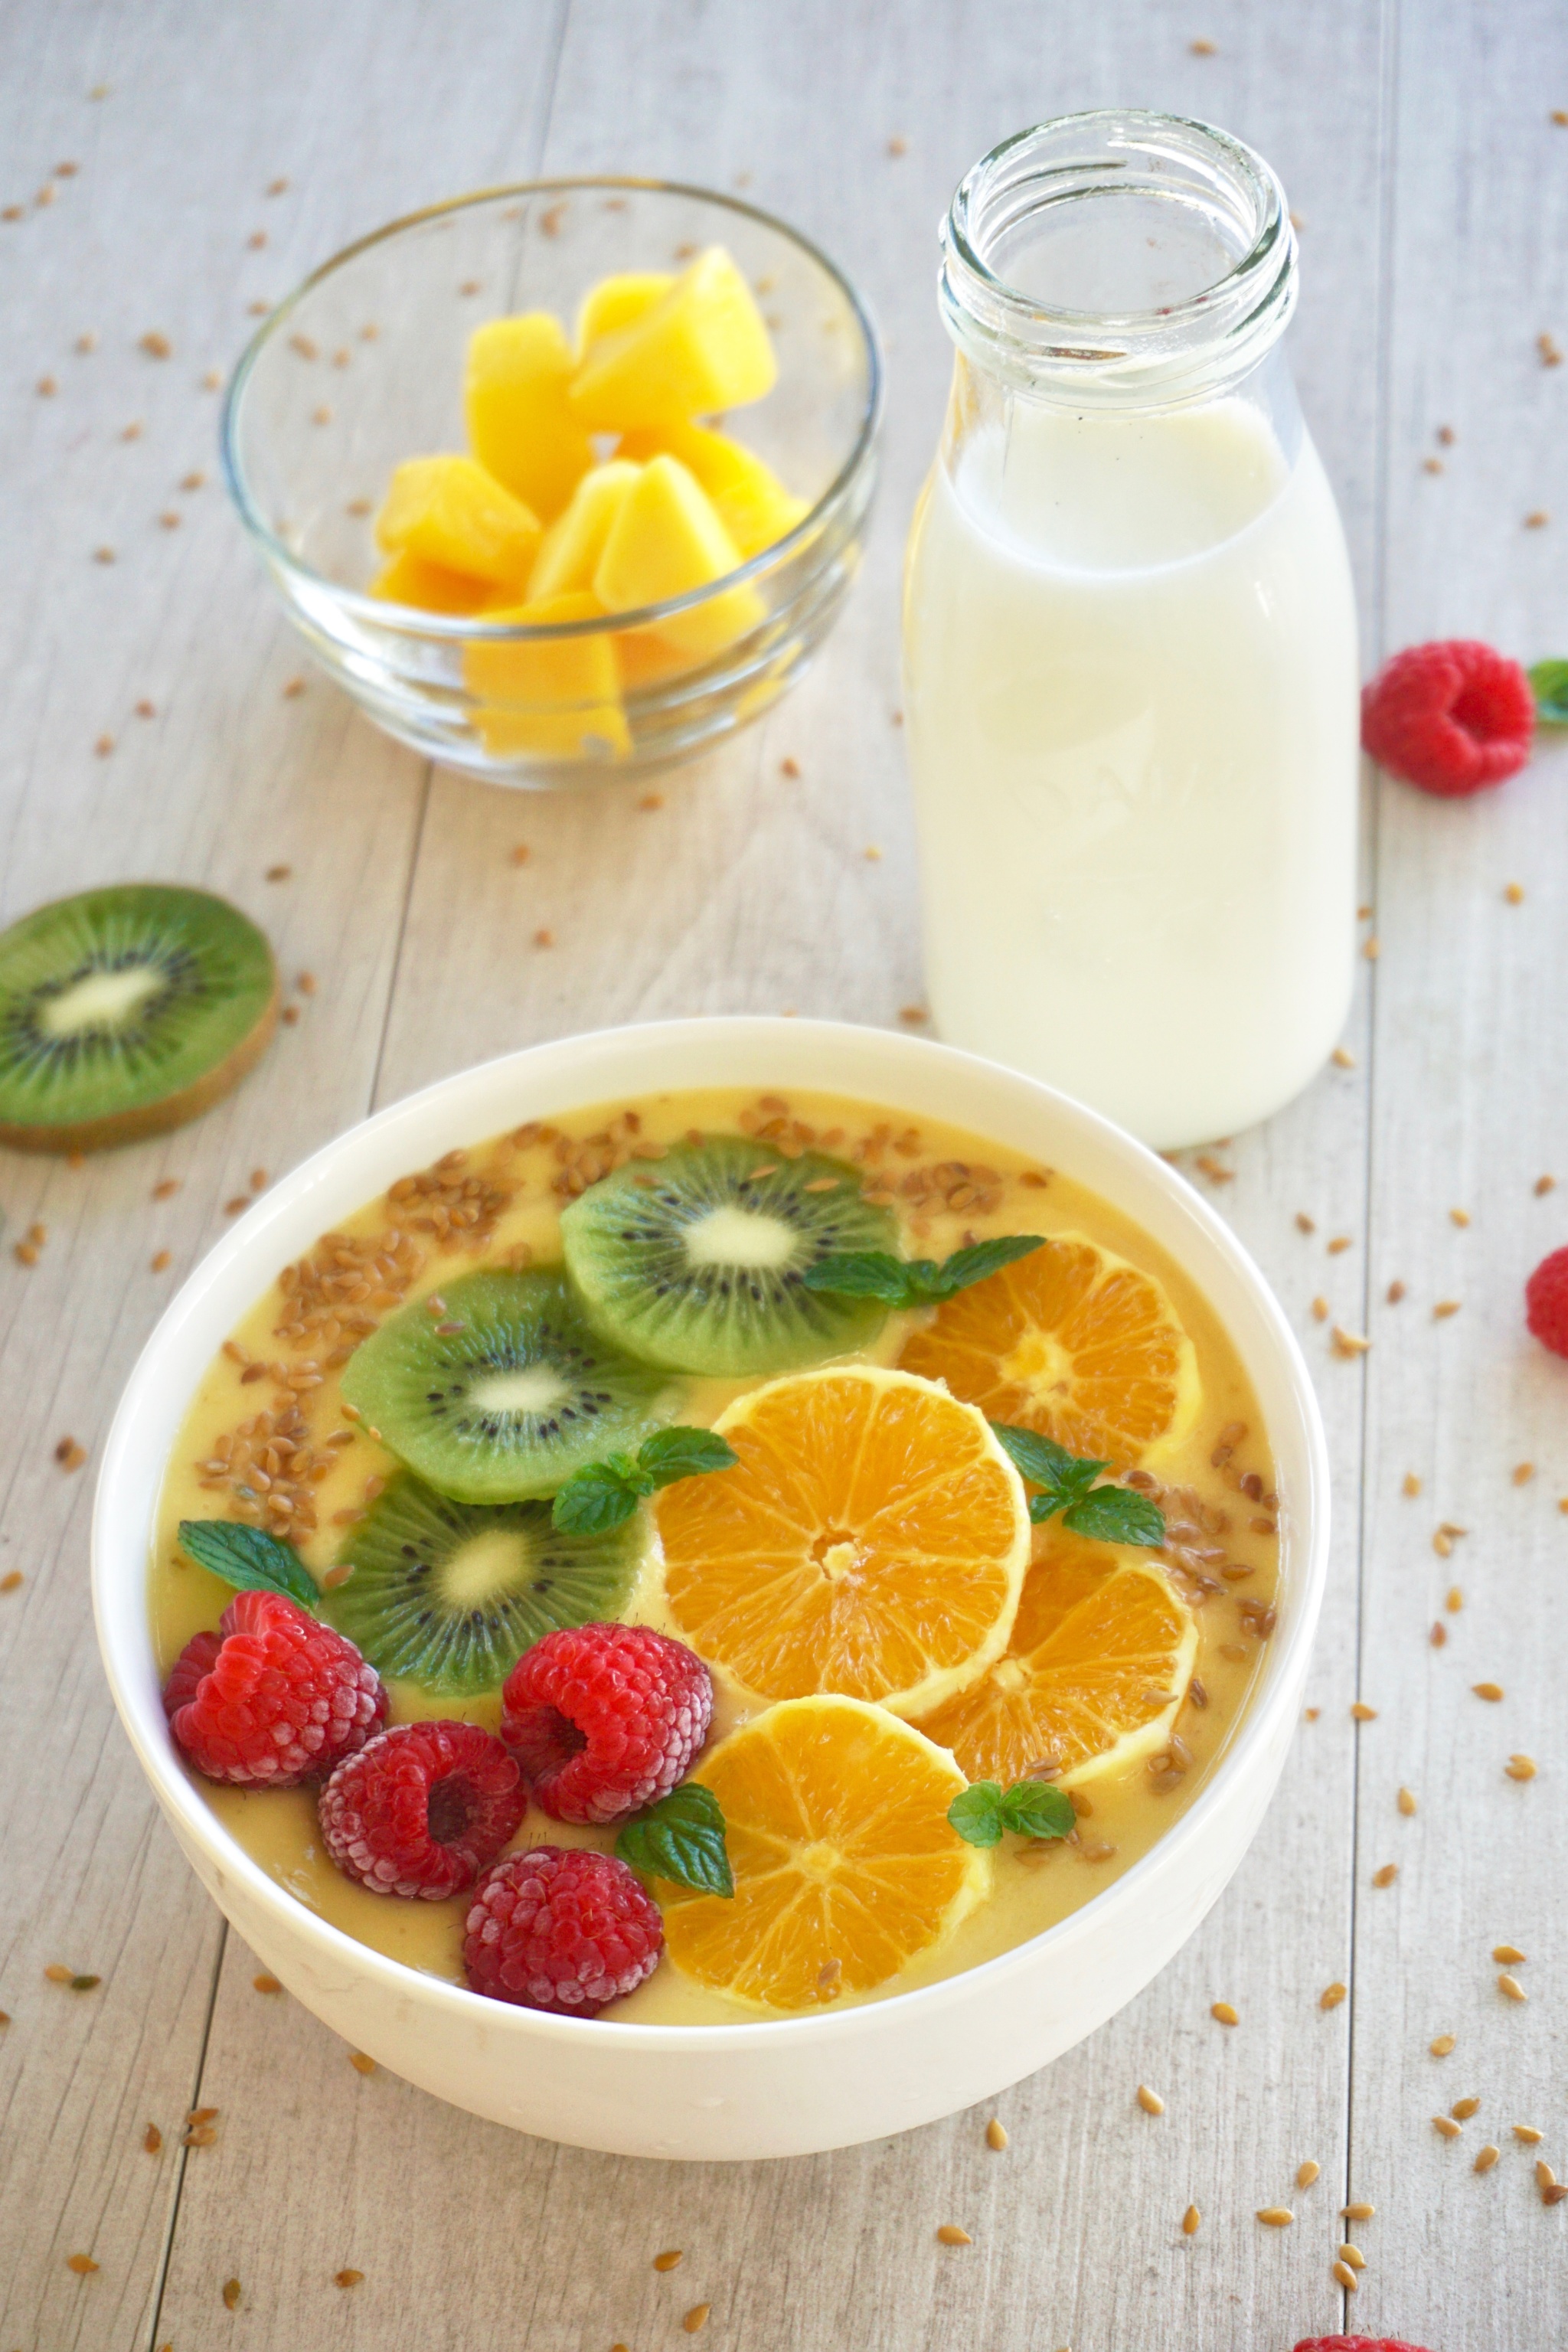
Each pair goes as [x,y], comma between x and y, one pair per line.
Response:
[617,301]
[409,580]
[561,697]
[748,497]
[570,550]
[451,512]
[703,346]
[514,400]
[667,540]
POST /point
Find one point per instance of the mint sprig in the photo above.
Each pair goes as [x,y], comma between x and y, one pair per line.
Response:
[1065,1483]
[603,1494]
[1549,684]
[249,1559]
[682,1839]
[1030,1809]
[916,1281]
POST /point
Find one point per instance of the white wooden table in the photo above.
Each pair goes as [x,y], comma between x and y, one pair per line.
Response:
[1431,183]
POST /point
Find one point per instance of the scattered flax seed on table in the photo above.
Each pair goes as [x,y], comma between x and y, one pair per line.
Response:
[83,2264]
[1544,2176]
[1276,2217]
[1191,2219]
[1446,2125]
[1386,1875]
[1406,1800]
[161,1261]
[1523,1472]
[1359,2213]
[1361,1713]
[1307,2173]
[996,2134]
[1454,1600]
[696,2318]
[1444,2045]
[1537,521]
[1528,2134]
[1343,1058]
[1223,2014]
[651,801]
[12,1580]
[1508,1956]
[266,1984]
[1344,2276]
[1353,2256]
[1486,2157]
[1492,1691]
[1340,1242]
[789,767]
[361,2063]
[1511,1988]
[231,2294]
[69,1454]
[1514,893]
[1304,1223]
[1544,1184]
[1203,49]
[347,2278]
[1461,1217]
[950,2234]
[152,2139]
[1463,2109]
[1412,1484]
[1332,1995]
[667,2260]
[1348,1343]
[1320,1309]
[1150,2101]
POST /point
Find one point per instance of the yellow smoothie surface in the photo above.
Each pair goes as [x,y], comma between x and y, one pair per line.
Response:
[908,1635]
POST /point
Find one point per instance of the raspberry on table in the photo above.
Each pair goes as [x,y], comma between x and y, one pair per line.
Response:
[273,1697]
[1451,717]
[1546,1302]
[1355,2344]
[561,1928]
[421,1810]
[604,1719]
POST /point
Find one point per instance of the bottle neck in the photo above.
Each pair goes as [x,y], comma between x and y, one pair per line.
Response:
[1119,260]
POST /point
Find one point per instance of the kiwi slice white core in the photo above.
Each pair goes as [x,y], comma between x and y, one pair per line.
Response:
[100,1000]
[739,1237]
[487,1564]
[538,1388]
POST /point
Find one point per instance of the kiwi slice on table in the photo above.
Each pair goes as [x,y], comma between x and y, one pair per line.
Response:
[449,1595]
[126,1011]
[496,1386]
[695,1261]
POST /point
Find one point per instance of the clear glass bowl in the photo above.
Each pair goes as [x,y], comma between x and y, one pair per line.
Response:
[363,367]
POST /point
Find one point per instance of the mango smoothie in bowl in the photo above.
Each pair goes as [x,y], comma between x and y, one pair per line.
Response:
[721,1588]
[566,480]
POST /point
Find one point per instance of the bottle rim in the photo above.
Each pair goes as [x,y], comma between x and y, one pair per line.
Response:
[1184,351]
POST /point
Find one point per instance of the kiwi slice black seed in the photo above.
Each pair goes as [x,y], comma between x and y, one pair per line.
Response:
[126,1011]
[497,1388]
[449,1595]
[694,1261]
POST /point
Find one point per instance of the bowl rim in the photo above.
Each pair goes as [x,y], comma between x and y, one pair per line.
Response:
[462,627]
[177,1790]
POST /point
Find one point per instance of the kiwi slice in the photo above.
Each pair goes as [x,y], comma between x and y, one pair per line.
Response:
[498,1388]
[449,1595]
[126,1011]
[694,1261]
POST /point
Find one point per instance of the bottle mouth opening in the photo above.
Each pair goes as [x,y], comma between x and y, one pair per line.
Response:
[1130,251]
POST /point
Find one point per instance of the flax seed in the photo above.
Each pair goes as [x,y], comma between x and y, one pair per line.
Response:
[1444,1308]
[1343,1058]
[1463,2109]
[1486,2157]
[696,2318]
[1332,1995]
[361,2063]
[1444,2124]
[1353,2256]
[1348,1343]
[156,346]
[1443,2045]
[1361,1713]
[1555,2194]
[789,767]
[1491,1690]
[1394,1293]
[1340,1242]
[83,2264]
[1307,2173]
[266,1984]
[69,1454]
[1320,1309]
[292,688]
[996,2134]
[1360,2212]
[544,938]
[1454,1600]
[161,1261]
[1223,2013]
[950,2234]
[152,2139]
[668,2260]
[1412,1483]
[1345,2276]
[1528,2134]
[231,2294]
[1276,2217]
[1386,1875]
[347,2278]
[1508,1955]
[1150,2101]
[1406,1803]
[12,1580]
[1511,1988]
[1544,2176]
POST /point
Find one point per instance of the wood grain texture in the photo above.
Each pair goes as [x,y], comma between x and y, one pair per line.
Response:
[1471,1063]
[227,777]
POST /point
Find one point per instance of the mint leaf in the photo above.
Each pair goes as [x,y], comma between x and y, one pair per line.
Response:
[599,1497]
[1112,1515]
[981,1259]
[249,1559]
[682,1839]
[672,1453]
[1549,684]
[861,1274]
[976,1814]
[1033,1809]
[1038,1459]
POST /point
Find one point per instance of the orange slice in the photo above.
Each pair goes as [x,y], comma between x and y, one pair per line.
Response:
[844,1862]
[1099,1660]
[871,1541]
[1074,1342]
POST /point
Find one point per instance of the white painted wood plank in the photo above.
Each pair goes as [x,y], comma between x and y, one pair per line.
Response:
[746,890]
[227,778]
[1471,1065]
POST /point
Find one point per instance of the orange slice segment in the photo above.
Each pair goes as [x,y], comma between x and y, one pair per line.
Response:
[844,1862]
[1099,1662]
[1071,1341]
[871,1541]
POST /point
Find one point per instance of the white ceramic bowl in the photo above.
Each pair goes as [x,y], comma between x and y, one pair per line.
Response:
[793,2085]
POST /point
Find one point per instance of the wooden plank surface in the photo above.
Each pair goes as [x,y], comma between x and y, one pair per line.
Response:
[1422,167]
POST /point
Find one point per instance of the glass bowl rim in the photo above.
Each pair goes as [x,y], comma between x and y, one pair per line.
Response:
[461,626]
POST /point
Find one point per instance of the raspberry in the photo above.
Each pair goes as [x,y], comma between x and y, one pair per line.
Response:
[1355,2344]
[1546,1302]
[273,1696]
[562,1929]
[421,1810]
[605,1718]
[1451,717]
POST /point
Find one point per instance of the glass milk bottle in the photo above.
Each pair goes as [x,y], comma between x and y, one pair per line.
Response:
[1130,682]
